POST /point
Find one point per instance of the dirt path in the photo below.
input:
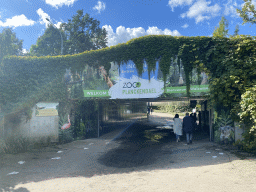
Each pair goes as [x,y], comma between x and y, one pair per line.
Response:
[234,176]
[135,161]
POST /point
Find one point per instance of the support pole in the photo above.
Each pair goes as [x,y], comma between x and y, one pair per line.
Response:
[3,129]
[210,124]
[98,119]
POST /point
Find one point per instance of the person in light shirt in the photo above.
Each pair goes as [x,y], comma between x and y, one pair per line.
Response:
[177,127]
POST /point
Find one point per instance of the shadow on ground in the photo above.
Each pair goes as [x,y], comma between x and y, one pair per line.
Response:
[138,146]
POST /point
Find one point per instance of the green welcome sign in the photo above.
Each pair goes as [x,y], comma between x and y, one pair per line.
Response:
[123,82]
[182,89]
[96,93]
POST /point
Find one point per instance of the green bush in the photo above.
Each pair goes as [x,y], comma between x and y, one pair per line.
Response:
[249,142]
[170,108]
[221,120]
[16,145]
[82,131]
[217,136]
[248,117]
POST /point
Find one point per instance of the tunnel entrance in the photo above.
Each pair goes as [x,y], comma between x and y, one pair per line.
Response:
[120,94]
[99,117]
[197,106]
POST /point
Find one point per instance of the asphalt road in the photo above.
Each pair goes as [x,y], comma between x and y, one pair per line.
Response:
[135,147]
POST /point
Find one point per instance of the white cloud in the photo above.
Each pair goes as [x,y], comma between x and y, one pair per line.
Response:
[183,15]
[201,11]
[101,6]
[230,9]
[58,25]
[176,3]
[123,34]
[17,21]
[24,51]
[185,26]
[59,3]
[43,16]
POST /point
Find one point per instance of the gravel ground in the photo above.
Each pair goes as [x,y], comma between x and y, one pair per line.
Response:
[137,157]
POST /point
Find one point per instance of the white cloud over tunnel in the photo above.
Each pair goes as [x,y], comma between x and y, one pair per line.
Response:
[101,6]
[59,3]
[42,17]
[17,21]
[123,34]
[201,11]
[177,3]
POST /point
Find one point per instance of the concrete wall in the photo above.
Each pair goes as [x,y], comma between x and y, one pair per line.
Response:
[238,132]
[38,128]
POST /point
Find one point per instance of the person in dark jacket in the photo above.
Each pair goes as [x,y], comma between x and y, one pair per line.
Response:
[188,127]
[194,119]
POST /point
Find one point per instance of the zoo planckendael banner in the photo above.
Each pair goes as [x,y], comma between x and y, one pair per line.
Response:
[124,83]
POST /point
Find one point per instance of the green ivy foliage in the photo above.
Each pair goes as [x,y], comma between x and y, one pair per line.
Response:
[248,118]
[235,71]
[229,62]
[248,106]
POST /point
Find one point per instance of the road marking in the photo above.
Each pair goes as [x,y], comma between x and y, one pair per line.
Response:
[86,148]
[221,153]
[56,158]
[59,151]
[21,162]
[214,156]
[13,173]
[90,143]
[208,152]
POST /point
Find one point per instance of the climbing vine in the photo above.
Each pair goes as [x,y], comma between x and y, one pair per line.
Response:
[229,62]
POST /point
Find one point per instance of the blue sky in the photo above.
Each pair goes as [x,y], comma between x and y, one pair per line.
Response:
[124,19]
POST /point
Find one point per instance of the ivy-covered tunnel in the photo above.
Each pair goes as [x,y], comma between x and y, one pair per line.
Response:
[177,63]
[94,118]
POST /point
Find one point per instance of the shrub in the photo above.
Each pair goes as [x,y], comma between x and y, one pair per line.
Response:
[16,145]
[223,119]
[248,117]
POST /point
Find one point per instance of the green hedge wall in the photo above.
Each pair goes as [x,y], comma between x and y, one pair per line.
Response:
[229,62]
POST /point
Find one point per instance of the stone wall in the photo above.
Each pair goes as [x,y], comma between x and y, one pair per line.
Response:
[38,128]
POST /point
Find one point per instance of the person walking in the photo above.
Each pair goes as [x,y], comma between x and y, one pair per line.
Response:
[193,115]
[177,127]
[188,127]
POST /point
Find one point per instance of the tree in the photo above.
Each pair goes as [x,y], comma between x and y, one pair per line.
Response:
[80,34]
[83,34]
[49,43]
[222,30]
[247,12]
[9,43]
[236,30]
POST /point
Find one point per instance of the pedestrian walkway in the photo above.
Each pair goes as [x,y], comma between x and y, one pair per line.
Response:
[201,166]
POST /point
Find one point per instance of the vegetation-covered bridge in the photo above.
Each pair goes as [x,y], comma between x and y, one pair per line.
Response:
[145,68]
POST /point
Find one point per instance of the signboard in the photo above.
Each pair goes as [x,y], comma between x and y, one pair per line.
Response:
[130,85]
[193,88]
[46,109]
[124,83]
